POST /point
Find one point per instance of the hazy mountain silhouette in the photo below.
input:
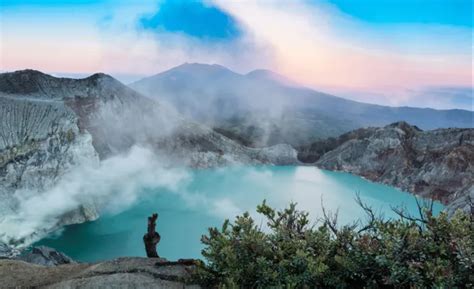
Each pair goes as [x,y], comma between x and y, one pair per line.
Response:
[264,108]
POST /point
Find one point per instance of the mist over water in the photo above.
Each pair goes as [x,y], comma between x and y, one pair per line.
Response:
[206,197]
[112,185]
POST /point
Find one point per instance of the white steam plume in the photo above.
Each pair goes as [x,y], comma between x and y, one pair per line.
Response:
[112,185]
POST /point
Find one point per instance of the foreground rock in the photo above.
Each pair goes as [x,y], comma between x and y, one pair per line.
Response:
[131,272]
[437,164]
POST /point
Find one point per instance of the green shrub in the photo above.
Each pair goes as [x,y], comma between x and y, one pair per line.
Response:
[423,252]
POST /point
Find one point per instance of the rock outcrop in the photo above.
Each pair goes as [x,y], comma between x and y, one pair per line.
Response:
[45,256]
[130,272]
[50,125]
[6,251]
[436,164]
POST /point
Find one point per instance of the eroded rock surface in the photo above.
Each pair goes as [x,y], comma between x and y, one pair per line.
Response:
[437,164]
[39,142]
[130,272]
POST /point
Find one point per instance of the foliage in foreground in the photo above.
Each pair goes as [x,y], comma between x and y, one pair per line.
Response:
[423,252]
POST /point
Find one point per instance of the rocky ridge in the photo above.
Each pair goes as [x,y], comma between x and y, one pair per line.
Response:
[436,164]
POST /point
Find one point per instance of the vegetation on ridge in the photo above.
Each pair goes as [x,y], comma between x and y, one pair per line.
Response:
[426,251]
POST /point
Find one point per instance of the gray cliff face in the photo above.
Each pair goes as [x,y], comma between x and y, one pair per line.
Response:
[48,126]
[39,143]
[436,164]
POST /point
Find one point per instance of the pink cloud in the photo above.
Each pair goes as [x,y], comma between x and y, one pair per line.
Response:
[320,47]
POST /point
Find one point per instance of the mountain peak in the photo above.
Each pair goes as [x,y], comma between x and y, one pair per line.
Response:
[100,75]
[25,75]
[27,72]
[189,72]
[25,81]
[200,68]
[102,78]
[405,126]
[38,84]
[261,73]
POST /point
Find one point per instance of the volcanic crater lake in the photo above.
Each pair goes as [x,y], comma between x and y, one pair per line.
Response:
[212,195]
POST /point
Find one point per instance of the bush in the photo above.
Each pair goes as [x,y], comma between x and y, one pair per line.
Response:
[423,252]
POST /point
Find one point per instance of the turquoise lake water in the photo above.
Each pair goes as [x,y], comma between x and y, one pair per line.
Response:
[212,195]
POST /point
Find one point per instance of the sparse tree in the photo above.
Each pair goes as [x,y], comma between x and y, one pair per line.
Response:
[425,251]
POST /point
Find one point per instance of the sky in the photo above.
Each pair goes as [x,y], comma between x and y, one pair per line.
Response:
[391,52]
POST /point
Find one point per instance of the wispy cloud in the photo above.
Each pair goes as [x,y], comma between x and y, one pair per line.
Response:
[320,46]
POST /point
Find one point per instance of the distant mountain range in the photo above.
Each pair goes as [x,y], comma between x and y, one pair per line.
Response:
[263,108]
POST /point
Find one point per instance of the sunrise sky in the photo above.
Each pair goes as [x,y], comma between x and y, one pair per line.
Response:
[393,52]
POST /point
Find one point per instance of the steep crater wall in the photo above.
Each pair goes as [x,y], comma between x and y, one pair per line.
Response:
[437,164]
